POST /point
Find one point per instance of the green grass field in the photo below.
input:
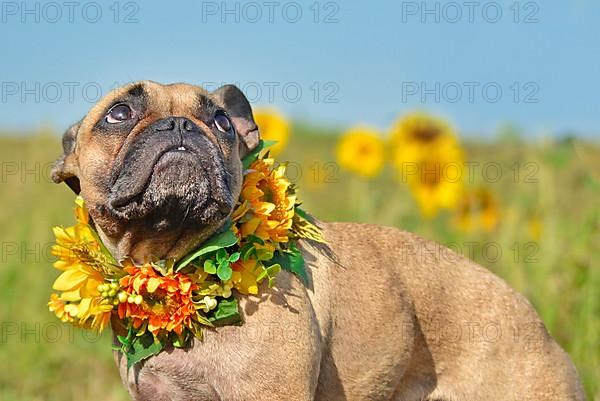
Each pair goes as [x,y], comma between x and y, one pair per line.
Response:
[556,268]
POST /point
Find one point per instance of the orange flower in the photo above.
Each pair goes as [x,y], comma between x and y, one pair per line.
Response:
[267,203]
[167,300]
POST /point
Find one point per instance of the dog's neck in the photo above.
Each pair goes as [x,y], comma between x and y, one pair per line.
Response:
[160,247]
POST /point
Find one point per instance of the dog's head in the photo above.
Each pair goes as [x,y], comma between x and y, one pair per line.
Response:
[159,166]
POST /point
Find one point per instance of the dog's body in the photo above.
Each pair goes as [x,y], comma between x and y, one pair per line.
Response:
[375,324]
[385,315]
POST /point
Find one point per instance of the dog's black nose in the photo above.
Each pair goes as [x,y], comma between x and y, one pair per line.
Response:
[180,124]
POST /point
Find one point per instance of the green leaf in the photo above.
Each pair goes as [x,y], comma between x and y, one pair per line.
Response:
[267,143]
[246,251]
[264,254]
[180,341]
[125,341]
[124,344]
[302,213]
[252,156]
[269,273]
[224,271]
[226,313]
[234,257]
[209,266]
[293,261]
[221,255]
[262,276]
[218,241]
[255,239]
[142,348]
[274,269]
[201,319]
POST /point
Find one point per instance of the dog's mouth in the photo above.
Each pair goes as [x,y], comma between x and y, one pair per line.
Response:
[169,179]
[129,186]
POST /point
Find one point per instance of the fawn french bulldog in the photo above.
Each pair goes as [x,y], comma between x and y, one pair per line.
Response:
[159,167]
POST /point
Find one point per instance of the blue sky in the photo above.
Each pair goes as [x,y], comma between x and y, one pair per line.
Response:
[352,62]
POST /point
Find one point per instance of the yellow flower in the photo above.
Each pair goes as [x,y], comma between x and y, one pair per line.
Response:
[478,210]
[414,134]
[94,313]
[432,198]
[437,181]
[71,244]
[81,213]
[274,127]
[57,306]
[267,203]
[89,312]
[428,157]
[78,255]
[361,151]
[83,262]
[78,245]
[244,276]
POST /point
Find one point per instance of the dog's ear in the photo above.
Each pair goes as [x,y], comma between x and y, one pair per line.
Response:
[238,108]
[65,168]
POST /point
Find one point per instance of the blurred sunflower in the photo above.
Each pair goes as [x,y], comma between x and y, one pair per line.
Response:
[273,127]
[535,227]
[428,157]
[436,183]
[413,134]
[478,210]
[361,151]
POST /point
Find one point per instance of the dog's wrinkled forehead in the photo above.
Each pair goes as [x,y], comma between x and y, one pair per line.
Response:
[155,101]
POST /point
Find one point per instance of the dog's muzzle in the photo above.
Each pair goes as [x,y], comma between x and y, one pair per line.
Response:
[173,169]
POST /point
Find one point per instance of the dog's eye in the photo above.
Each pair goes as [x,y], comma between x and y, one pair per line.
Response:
[222,122]
[119,113]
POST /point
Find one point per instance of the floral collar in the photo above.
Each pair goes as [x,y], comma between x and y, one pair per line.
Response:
[170,301]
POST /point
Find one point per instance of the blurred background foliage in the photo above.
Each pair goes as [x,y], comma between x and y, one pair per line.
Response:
[526,209]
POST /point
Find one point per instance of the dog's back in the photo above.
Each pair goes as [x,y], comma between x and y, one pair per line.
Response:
[408,319]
